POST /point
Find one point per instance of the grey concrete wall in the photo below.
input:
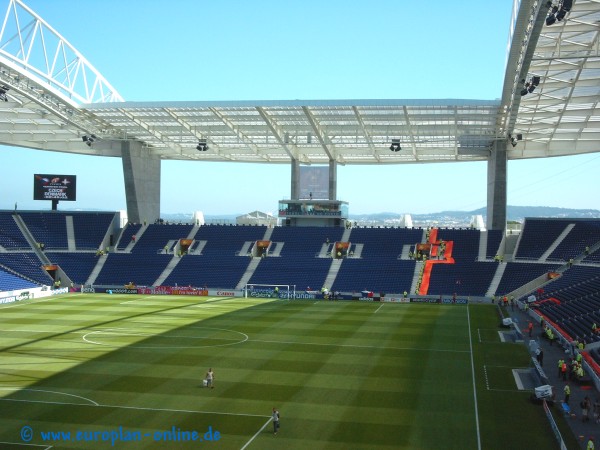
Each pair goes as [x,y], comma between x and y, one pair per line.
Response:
[496,187]
[141,173]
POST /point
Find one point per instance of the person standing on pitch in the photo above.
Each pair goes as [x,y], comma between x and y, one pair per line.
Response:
[210,378]
[275,417]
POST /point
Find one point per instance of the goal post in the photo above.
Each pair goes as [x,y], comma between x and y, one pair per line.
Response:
[281,291]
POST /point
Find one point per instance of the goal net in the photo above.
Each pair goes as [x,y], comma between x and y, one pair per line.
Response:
[281,291]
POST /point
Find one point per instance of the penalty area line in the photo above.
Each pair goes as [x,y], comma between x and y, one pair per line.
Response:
[257,433]
[46,447]
[136,408]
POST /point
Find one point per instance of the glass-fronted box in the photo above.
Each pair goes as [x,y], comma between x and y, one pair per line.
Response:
[313,212]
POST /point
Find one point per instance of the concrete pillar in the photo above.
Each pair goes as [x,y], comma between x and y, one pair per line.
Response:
[332,179]
[295,180]
[496,187]
[141,173]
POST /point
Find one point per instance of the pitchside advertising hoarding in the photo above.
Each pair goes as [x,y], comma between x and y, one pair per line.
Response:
[54,187]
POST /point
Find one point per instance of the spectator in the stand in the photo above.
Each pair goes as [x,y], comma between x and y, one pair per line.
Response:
[530,328]
[133,238]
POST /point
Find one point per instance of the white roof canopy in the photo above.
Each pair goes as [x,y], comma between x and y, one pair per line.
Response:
[44,107]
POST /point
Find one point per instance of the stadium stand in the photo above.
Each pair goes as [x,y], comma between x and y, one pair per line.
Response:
[493,243]
[9,281]
[220,265]
[156,236]
[90,229]
[584,234]
[26,264]
[10,234]
[301,256]
[47,228]
[537,236]
[126,234]
[142,269]
[517,274]
[78,266]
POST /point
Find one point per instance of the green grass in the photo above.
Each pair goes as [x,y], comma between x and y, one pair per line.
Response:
[344,375]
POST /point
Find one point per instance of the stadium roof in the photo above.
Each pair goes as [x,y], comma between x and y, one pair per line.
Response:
[56,106]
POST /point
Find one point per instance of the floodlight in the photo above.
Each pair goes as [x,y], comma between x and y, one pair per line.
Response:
[560,15]
[524,92]
[395,147]
[550,19]
[202,145]
[535,80]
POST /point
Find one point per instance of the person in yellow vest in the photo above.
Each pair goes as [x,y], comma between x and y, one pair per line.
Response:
[567,391]
[560,363]
[590,444]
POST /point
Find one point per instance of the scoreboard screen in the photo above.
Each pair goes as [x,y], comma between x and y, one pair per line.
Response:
[55,187]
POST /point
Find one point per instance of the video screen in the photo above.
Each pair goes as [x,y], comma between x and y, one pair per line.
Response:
[55,187]
[314,182]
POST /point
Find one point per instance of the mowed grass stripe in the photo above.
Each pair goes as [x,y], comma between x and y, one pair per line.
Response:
[342,375]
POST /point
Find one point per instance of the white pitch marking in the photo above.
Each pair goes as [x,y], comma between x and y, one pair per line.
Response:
[380,306]
[256,434]
[137,408]
[49,392]
[474,383]
[46,447]
[359,346]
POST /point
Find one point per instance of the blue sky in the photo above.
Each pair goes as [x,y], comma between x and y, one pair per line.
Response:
[279,50]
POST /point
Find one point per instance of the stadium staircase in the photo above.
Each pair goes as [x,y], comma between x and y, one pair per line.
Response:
[138,235]
[254,262]
[357,249]
[336,264]
[99,265]
[71,246]
[30,239]
[415,280]
[483,239]
[165,273]
[557,242]
[496,280]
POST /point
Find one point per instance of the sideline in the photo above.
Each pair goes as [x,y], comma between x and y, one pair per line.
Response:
[474,382]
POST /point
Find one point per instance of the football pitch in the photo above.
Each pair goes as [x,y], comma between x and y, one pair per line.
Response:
[102,371]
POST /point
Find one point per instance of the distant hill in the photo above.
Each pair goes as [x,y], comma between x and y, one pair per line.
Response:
[447,218]
[463,218]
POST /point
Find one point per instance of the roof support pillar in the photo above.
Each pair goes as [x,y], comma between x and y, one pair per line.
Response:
[496,186]
[295,179]
[332,179]
[141,173]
